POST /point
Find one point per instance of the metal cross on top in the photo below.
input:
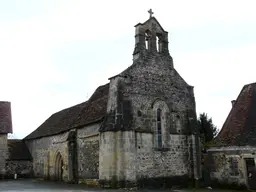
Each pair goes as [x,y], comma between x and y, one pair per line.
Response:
[150,13]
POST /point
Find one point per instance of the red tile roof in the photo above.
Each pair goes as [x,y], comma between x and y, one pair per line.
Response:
[5,117]
[239,128]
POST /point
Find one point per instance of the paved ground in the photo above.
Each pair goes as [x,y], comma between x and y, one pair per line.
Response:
[42,186]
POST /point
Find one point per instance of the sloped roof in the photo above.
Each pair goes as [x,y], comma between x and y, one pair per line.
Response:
[76,116]
[5,117]
[239,128]
[18,150]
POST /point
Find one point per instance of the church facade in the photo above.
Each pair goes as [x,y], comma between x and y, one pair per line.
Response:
[137,129]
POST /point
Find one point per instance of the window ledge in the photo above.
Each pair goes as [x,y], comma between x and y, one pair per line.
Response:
[162,149]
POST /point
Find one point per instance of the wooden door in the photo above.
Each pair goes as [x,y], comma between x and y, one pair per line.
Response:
[251,172]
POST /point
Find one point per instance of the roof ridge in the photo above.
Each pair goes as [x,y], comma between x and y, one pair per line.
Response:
[70,107]
[75,116]
[250,84]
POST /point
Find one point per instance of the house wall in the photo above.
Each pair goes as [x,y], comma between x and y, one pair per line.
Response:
[44,151]
[3,153]
[226,166]
[88,153]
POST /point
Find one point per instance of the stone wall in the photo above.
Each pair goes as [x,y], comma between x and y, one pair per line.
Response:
[21,168]
[149,82]
[44,151]
[3,153]
[152,162]
[117,158]
[88,152]
[226,166]
[134,159]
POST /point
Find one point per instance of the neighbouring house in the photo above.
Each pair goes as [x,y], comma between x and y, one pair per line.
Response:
[14,155]
[5,128]
[231,158]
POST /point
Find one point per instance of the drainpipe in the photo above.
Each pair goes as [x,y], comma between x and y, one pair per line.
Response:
[198,157]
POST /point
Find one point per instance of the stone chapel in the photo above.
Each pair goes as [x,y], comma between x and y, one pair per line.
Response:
[138,129]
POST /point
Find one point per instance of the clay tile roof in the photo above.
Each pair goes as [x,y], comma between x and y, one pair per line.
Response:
[5,117]
[18,150]
[76,116]
[239,128]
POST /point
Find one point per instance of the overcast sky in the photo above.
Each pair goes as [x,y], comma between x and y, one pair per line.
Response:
[54,54]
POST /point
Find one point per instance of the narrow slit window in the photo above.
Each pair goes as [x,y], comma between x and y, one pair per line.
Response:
[178,123]
[159,128]
[234,166]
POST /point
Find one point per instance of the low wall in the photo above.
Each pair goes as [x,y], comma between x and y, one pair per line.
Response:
[23,169]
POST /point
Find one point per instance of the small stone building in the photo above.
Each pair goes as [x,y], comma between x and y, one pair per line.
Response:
[14,155]
[137,129]
[231,158]
[19,160]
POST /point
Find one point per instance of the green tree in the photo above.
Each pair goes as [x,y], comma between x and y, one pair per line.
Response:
[206,128]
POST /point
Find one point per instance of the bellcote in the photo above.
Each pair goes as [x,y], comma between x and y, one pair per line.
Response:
[150,38]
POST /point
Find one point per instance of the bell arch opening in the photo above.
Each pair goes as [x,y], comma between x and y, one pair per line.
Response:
[147,39]
[157,44]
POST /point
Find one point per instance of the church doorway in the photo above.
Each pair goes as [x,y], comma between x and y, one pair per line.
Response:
[59,167]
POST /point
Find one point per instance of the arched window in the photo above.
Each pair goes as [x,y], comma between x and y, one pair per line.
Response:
[178,124]
[161,125]
[146,43]
[159,128]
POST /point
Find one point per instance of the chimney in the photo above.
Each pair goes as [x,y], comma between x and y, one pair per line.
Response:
[233,102]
